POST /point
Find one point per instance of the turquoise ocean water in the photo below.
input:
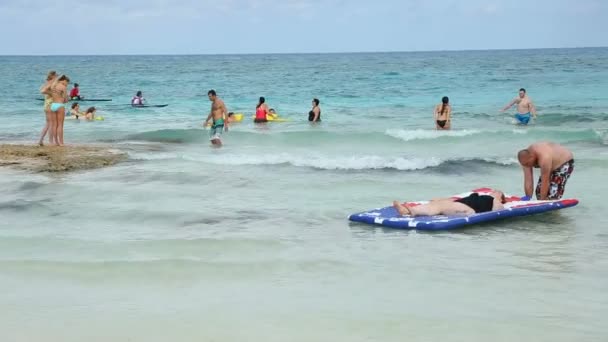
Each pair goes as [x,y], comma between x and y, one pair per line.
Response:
[251,243]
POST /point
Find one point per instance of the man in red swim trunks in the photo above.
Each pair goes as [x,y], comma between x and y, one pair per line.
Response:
[556,164]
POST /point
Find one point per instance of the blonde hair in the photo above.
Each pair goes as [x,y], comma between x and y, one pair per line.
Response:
[52,74]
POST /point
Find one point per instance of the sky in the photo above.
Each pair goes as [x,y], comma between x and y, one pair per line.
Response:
[68,27]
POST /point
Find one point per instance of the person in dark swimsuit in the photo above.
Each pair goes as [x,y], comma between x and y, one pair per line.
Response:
[443,113]
[315,113]
[475,203]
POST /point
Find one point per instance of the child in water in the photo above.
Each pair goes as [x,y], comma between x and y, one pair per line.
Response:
[90,113]
[75,112]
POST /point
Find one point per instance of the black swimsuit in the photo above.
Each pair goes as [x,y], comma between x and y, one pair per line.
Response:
[441,123]
[480,204]
[311,116]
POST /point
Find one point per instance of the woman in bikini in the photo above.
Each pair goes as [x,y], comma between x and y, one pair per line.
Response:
[59,95]
[443,114]
[475,203]
[50,117]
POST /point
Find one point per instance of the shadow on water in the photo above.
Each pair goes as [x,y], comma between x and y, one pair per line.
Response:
[540,244]
[242,217]
[21,206]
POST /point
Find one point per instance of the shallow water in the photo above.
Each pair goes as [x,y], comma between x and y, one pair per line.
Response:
[251,242]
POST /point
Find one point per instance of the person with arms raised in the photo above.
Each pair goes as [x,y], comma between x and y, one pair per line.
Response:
[443,114]
[525,107]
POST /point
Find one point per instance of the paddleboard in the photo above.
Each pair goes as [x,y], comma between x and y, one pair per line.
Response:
[149,106]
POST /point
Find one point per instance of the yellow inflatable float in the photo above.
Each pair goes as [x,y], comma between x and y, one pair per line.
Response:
[238,117]
[272,118]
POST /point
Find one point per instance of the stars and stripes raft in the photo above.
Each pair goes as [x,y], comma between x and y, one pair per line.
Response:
[515,207]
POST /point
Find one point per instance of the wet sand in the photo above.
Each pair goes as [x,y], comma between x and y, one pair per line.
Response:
[58,159]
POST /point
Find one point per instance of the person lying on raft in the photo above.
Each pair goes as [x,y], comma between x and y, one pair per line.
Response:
[472,204]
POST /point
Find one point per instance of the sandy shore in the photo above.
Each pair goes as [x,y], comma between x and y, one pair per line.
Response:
[58,159]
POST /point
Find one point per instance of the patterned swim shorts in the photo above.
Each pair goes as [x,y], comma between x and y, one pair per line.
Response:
[557,181]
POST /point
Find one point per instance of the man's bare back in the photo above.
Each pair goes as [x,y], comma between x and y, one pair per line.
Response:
[556,164]
[557,153]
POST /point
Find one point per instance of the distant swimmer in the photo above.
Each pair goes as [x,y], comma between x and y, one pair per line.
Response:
[315,113]
[138,99]
[261,111]
[218,118]
[231,118]
[525,107]
[556,164]
[75,112]
[90,113]
[443,114]
[472,204]
[75,93]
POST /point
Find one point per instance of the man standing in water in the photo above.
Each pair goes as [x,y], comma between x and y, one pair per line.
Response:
[218,115]
[525,107]
[556,164]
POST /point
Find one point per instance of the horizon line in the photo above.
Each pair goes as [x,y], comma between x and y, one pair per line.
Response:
[301,53]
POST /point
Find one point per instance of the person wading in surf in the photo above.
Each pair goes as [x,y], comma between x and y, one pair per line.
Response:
[218,116]
[443,114]
[525,107]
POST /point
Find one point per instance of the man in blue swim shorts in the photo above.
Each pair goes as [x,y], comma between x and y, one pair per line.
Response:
[525,107]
